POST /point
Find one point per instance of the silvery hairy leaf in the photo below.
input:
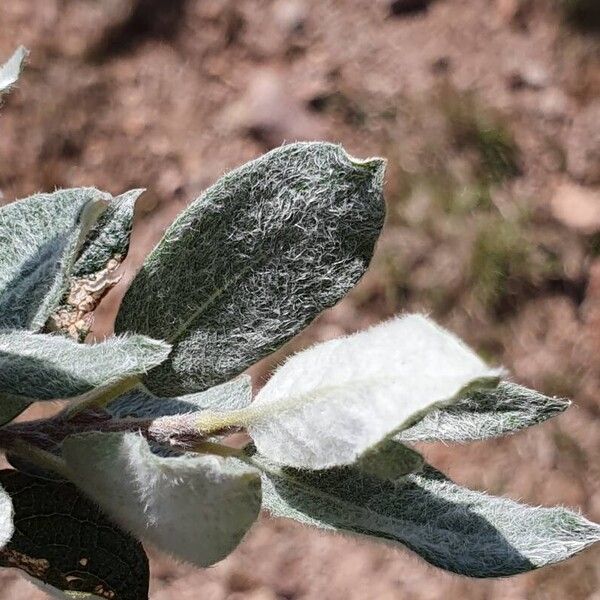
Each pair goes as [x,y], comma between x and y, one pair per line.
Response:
[197,508]
[40,237]
[253,260]
[11,69]
[63,542]
[457,529]
[485,413]
[44,367]
[140,402]
[109,237]
[329,404]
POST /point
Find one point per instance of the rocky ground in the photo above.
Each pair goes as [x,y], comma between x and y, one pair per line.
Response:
[489,114]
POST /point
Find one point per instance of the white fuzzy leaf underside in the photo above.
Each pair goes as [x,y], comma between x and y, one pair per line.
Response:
[40,237]
[329,404]
[45,367]
[6,518]
[460,530]
[197,508]
[253,260]
[11,69]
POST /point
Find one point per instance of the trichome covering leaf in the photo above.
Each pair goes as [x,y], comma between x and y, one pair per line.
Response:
[254,259]
[329,404]
[11,69]
[197,508]
[110,235]
[485,413]
[44,367]
[62,539]
[40,237]
[460,530]
[140,402]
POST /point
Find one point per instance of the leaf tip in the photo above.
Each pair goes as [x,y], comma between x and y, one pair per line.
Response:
[11,69]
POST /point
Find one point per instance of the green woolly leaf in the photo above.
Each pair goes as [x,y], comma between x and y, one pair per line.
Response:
[460,530]
[328,405]
[63,540]
[110,235]
[11,69]
[46,367]
[197,508]
[140,402]
[40,237]
[485,413]
[390,461]
[253,260]
[12,406]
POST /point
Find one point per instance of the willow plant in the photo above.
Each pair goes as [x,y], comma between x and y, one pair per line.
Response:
[140,452]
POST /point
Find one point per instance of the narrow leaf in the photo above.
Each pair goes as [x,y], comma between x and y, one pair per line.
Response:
[451,527]
[63,540]
[45,367]
[485,413]
[11,69]
[110,235]
[53,592]
[329,404]
[40,237]
[140,402]
[253,260]
[196,508]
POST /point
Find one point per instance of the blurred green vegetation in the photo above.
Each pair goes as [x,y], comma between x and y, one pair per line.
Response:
[474,247]
[485,133]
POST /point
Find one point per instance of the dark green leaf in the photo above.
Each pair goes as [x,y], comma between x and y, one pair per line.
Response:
[65,541]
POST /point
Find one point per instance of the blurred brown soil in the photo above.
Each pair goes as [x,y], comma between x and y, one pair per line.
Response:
[488,111]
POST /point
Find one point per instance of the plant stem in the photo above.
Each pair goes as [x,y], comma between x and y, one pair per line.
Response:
[100,397]
[177,432]
[217,450]
[40,458]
